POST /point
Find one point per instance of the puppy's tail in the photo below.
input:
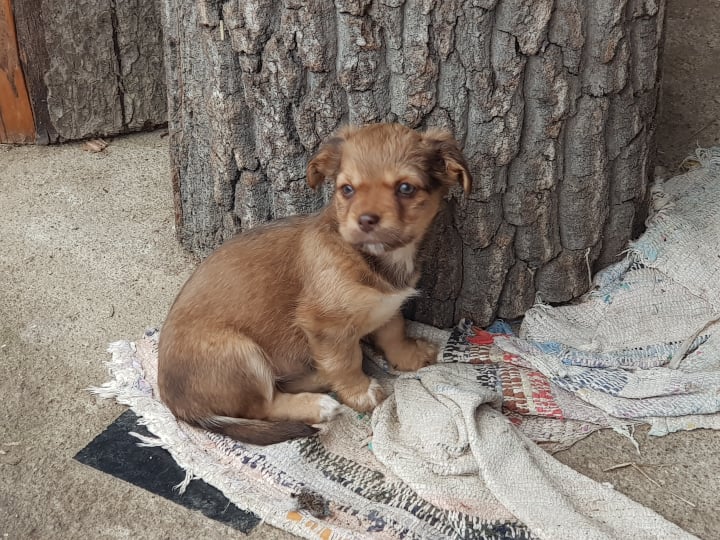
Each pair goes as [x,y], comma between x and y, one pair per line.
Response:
[258,432]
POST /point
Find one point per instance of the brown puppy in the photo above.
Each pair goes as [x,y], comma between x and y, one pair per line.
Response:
[276,314]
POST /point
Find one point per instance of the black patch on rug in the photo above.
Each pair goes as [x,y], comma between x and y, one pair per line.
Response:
[117,453]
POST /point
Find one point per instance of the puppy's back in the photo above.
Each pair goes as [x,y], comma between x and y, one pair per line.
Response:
[238,284]
[249,281]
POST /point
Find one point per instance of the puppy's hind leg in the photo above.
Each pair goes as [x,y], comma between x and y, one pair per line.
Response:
[278,405]
[306,407]
[246,405]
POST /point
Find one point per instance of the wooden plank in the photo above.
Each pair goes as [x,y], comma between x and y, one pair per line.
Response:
[92,68]
[16,117]
[35,60]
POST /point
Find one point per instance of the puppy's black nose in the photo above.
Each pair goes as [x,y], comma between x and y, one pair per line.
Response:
[367,222]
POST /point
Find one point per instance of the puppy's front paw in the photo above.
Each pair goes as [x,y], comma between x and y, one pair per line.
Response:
[364,399]
[427,353]
[413,355]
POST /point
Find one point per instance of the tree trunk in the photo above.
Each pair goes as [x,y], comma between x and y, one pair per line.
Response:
[554,103]
[93,68]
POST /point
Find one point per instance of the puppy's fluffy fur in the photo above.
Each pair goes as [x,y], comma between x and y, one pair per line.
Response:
[275,315]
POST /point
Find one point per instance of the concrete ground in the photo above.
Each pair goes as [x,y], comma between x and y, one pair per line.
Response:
[88,256]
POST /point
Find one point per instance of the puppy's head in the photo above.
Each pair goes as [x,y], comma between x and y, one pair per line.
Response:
[389,182]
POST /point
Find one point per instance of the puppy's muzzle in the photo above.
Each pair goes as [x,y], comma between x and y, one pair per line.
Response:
[367,222]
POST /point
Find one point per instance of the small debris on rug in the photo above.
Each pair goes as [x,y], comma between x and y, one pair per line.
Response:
[316,504]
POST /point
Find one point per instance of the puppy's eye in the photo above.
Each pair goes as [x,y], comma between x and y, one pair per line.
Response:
[347,190]
[406,190]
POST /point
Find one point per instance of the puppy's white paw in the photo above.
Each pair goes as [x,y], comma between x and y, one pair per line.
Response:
[329,408]
[364,398]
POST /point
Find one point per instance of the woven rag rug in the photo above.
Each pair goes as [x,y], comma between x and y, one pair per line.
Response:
[452,452]
[437,460]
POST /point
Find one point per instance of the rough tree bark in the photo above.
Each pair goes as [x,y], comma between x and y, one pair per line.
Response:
[92,68]
[554,102]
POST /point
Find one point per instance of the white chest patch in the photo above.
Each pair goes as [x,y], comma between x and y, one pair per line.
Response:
[387,306]
[374,249]
[404,258]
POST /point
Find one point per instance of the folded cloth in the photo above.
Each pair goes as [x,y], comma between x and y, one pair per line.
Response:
[441,432]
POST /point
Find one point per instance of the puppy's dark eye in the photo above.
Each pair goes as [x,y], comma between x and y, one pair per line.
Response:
[406,190]
[347,190]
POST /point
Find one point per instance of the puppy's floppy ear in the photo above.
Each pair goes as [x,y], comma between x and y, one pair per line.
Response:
[455,168]
[325,163]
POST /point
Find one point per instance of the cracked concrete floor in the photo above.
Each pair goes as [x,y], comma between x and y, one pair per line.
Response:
[89,256]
